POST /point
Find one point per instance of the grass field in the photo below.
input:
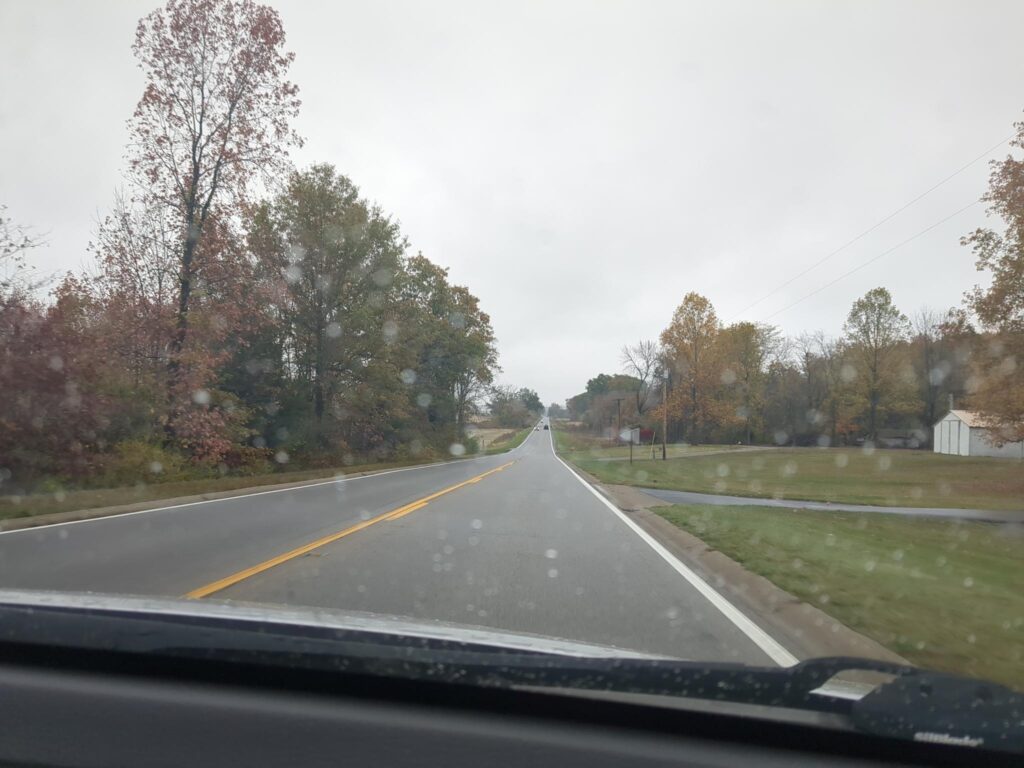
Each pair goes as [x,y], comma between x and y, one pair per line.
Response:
[945,595]
[852,475]
[71,500]
[576,445]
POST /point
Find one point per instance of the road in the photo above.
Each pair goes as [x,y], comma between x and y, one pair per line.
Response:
[693,497]
[515,541]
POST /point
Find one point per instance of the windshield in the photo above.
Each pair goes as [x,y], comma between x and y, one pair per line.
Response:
[690,331]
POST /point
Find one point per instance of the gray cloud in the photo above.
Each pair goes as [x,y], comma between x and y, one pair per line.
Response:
[581,166]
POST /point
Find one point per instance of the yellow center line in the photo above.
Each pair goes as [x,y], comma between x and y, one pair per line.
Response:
[394,514]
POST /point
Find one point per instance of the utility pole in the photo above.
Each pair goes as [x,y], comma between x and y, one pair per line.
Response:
[618,419]
[664,418]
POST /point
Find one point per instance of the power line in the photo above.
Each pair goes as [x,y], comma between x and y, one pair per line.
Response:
[872,228]
[872,260]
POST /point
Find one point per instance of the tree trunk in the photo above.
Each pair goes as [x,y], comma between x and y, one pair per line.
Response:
[185,278]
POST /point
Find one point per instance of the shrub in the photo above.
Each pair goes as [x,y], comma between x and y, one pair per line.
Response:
[135,461]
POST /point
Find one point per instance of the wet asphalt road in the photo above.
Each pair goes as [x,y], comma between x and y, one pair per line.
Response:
[514,541]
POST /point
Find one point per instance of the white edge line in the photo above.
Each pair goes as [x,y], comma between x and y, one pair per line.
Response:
[115,515]
[760,638]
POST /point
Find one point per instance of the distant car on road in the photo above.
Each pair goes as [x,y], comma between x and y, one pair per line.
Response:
[545,426]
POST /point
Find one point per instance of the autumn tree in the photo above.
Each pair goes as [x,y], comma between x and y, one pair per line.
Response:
[1000,307]
[337,258]
[746,350]
[214,116]
[690,346]
[15,240]
[874,329]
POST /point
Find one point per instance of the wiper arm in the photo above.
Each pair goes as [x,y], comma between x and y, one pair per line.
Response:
[915,704]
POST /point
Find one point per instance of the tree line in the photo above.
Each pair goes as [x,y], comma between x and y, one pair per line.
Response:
[887,379]
[239,314]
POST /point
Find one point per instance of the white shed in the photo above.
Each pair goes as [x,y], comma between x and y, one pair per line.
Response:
[965,433]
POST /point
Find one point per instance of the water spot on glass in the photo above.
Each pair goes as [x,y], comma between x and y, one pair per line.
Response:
[477,524]
[448,549]
[408,376]
[968,582]
[830,540]
[722,470]
[971,639]
[868,448]
[62,533]
[423,399]
[728,377]
[884,463]
[641,476]
[390,330]
[720,486]
[552,573]
[56,362]
[281,457]
[292,273]
[780,436]
[457,449]
[897,555]
[333,330]
[797,563]
[156,468]
[201,397]
[789,469]
[551,554]
[869,565]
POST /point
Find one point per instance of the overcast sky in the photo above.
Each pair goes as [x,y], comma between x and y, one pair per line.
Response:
[582,166]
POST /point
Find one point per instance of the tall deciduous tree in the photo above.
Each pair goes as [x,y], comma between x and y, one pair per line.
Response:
[690,345]
[874,329]
[214,114]
[1000,307]
[337,258]
[747,349]
[642,361]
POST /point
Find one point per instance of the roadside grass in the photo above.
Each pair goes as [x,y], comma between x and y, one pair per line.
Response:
[74,500]
[507,441]
[579,445]
[851,475]
[943,594]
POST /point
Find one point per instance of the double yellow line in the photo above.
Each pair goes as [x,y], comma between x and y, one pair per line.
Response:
[394,514]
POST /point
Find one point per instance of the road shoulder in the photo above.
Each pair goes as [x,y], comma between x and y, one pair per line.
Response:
[803,629]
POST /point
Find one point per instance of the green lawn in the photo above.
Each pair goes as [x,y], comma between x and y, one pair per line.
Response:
[577,445]
[885,477]
[945,595]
